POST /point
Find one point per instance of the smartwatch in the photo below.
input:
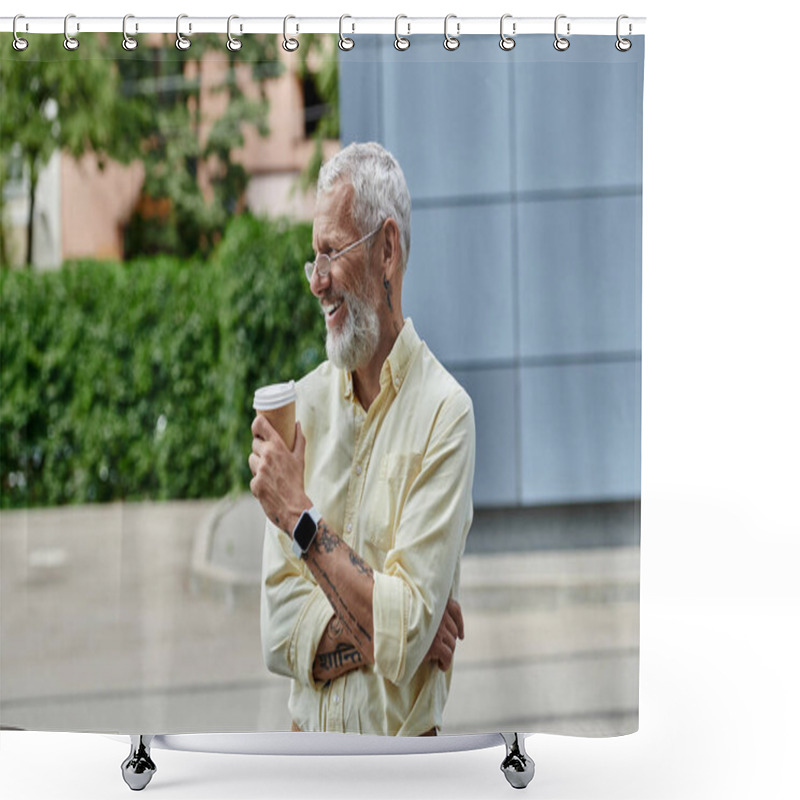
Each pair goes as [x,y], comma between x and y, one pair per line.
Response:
[305,531]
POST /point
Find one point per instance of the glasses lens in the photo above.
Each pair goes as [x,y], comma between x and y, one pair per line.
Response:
[323,265]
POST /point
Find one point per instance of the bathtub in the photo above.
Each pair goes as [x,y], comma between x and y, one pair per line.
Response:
[139,767]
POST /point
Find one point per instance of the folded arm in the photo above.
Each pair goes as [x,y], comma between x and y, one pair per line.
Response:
[336,655]
[394,618]
[347,581]
[412,592]
[403,616]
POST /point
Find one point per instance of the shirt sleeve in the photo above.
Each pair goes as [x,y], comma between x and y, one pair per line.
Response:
[294,610]
[410,594]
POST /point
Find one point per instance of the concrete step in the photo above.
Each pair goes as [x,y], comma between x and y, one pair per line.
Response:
[226,559]
[550,579]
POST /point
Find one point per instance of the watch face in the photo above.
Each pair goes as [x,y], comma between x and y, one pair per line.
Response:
[305,531]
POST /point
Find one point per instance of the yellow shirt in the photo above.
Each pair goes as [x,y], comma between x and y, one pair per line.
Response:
[396,485]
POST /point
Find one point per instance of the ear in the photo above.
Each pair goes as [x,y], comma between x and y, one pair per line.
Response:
[391,254]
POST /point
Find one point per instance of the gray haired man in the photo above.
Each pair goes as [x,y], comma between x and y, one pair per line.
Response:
[368,516]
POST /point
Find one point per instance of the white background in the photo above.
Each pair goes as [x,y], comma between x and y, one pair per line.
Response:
[720,531]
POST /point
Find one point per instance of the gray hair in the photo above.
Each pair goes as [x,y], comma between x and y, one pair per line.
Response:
[380,189]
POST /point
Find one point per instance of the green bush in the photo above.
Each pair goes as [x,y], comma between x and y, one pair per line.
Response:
[135,380]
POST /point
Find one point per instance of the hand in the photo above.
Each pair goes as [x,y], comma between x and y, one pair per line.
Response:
[444,643]
[278,482]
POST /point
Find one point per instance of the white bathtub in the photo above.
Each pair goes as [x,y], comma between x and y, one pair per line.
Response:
[138,768]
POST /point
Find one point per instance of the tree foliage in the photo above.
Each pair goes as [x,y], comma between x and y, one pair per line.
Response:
[135,380]
[148,104]
[48,103]
[162,119]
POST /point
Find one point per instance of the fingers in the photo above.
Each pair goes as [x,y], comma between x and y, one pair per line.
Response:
[454,609]
[449,641]
[444,644]
[257,427]
[266,438]
[260,455]
[452,620]
[443,648]
[444,655]
[451,628]
[261,429]
[449,624]
[263,432]
[439,655]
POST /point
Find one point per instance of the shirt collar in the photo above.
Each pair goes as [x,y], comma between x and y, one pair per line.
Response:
[396,366]
[347,378]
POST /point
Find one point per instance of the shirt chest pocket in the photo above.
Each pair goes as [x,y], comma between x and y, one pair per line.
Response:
[395,476]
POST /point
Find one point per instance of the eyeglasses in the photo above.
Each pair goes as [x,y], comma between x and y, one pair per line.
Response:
[322,263]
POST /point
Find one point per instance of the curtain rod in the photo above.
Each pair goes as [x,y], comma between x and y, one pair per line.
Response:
[406,26]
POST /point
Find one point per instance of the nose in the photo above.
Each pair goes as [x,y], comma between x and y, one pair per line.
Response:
[319,284]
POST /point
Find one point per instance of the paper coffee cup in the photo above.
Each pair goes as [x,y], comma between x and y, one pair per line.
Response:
[276,403]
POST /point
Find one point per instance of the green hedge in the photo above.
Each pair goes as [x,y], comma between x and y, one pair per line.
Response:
[135,380]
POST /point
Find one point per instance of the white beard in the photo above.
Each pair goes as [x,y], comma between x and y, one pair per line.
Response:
[356,342]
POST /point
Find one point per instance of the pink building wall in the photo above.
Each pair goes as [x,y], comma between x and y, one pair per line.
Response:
[95,204]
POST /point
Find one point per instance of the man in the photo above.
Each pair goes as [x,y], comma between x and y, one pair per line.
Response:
[367,517]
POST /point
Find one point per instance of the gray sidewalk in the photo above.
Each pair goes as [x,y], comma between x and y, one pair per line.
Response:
[144,617]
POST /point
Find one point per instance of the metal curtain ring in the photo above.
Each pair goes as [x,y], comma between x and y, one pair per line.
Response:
[561,44]
[289,45]
[234,45]
[451,42]
[128,42]
[623,45]
[344,42]
[70,43]
[507,42]
[181,42]
[18,44]
[400,42]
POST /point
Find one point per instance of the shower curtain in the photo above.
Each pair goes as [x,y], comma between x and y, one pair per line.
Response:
[157,209]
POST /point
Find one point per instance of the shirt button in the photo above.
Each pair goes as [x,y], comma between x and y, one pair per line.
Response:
[397,382]
[336,699]
[349,527]
[358,469]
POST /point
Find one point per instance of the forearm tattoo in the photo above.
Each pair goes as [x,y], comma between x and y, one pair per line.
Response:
[348,618]
[335,628]
[343,655]
[360,564]
[326,542]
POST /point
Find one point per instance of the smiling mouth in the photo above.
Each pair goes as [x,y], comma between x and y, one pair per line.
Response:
[330,310]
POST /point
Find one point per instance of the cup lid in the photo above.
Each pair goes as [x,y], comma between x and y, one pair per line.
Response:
[274,396]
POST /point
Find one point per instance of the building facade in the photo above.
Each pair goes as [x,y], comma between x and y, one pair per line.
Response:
[81,210]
